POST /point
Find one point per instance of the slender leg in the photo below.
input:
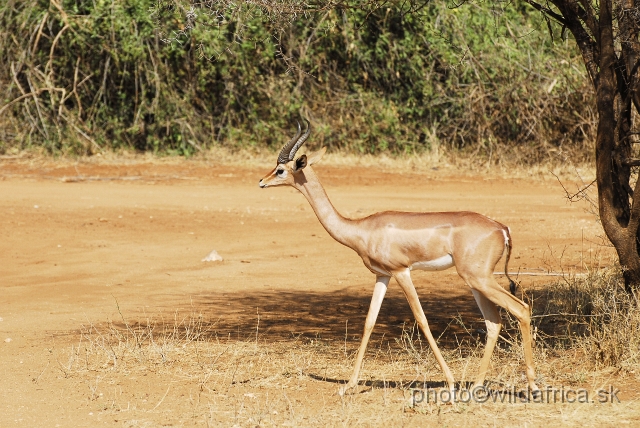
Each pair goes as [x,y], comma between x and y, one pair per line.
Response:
[491,290]
[404,279]
[494,323]
[374,308]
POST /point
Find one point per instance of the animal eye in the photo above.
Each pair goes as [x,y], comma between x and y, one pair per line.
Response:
[280,171]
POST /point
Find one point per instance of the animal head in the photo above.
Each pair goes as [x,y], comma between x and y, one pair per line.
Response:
[288,168]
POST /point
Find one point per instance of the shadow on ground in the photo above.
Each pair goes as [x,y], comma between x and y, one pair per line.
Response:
[333,316]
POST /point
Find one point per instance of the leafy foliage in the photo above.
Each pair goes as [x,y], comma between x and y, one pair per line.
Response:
[84,76]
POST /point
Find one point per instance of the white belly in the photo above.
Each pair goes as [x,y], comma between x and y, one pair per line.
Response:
[441,263]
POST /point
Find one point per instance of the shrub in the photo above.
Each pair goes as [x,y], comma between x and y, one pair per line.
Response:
[85,76]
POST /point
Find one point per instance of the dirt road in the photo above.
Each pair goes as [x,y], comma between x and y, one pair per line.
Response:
[86,242]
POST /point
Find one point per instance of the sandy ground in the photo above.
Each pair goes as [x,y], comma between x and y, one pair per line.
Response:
[84,243]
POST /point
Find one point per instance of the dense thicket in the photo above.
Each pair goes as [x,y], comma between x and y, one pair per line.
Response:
[81,76]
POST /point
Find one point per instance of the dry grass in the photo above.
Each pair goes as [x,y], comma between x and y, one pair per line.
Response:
[593,314]
[445,160]
[587,337]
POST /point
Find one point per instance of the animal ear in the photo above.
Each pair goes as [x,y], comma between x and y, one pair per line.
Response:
[301,162]
[316,156]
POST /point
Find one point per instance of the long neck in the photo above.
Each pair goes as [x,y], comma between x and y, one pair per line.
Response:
[342,229]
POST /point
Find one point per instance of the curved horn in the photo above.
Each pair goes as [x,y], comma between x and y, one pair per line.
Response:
[301,141]
[283,157]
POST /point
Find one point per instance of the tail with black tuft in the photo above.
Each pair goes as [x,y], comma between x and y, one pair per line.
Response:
[507,243]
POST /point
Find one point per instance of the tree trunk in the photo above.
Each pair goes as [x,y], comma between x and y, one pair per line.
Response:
[619,211]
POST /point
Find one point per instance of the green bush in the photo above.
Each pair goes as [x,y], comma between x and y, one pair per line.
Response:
[85,76]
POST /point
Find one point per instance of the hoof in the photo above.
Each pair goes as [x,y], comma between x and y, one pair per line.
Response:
[343,389]
[478,385]
[536,394]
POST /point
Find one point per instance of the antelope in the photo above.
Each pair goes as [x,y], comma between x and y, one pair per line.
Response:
[393,243]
